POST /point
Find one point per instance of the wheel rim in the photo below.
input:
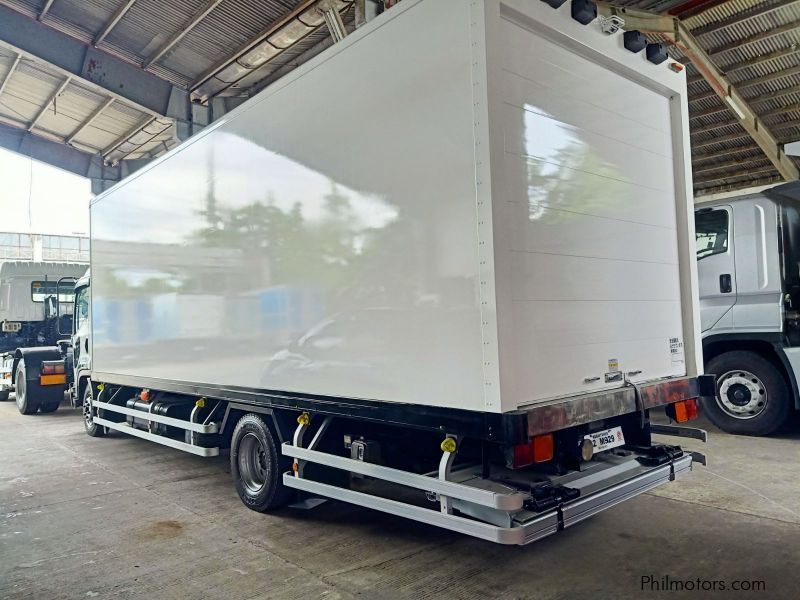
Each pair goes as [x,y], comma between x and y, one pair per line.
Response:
[88,418]
[20,389]
[741,395]
[252,463]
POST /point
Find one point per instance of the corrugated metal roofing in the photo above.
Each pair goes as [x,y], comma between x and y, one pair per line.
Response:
[33,83]
[756,42]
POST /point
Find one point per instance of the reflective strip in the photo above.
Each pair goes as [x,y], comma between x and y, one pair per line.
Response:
[59,379]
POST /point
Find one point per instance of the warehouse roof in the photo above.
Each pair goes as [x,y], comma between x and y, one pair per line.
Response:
[210,49]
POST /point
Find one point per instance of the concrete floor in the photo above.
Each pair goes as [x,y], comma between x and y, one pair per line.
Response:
[124,518]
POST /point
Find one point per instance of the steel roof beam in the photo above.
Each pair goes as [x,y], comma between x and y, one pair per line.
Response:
[135,141]
[270,78]
[292,27]
[764,35]
[89,120]
[754,185]
[113,21]
[728,164]
[55,153]
[59,90]
[689,45]
[766,169]
[732,137]
[741,17]
[10,72]
[179,35]
[45,10]
[126,136]
[251,44]
[789,72]
[72,57]
[699,157]
[762,58]
[756,100]
[330,10]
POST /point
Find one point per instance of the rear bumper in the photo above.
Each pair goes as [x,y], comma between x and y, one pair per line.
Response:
[527,422]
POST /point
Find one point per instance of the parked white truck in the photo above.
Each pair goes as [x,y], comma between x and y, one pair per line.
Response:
[36,300]
[452,255]
[748,253]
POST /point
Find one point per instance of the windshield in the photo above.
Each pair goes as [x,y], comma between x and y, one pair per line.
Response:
[711,232]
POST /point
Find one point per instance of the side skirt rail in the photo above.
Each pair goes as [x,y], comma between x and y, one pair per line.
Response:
[159,439]
[502,535]
[507,502]
[146,416]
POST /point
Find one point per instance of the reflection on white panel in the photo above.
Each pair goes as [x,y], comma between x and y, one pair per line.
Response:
[313,242]
[557,145]
[538,228]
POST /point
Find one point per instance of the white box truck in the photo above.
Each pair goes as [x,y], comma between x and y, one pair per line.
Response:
[462,239]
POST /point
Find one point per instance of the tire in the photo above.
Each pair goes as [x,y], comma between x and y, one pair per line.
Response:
[257,466]
[753,396]
[89,425]
[48,408]
[25,404]
[4,394]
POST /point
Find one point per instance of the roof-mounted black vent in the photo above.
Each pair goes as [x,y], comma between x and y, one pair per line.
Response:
[555,3]
[656,53]
[584,11]
[634,40]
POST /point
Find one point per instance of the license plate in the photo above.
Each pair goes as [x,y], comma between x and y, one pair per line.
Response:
[606,439]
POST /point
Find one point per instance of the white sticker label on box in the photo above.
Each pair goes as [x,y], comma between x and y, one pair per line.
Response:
[676,351]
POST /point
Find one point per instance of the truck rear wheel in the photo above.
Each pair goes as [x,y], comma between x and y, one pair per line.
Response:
[25,404]
[48,408]
[256,465]
[92,428]
[4,394]
[752,394]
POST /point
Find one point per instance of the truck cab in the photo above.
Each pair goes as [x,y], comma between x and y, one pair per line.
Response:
[748,263]
[41,374]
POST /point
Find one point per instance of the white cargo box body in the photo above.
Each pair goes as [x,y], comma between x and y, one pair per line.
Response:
[467,204]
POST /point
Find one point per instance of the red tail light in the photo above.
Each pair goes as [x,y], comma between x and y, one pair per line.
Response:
[692,410]
[683,411]
[540,449]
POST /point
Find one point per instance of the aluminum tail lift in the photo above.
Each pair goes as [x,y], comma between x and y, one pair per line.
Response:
[503,509]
